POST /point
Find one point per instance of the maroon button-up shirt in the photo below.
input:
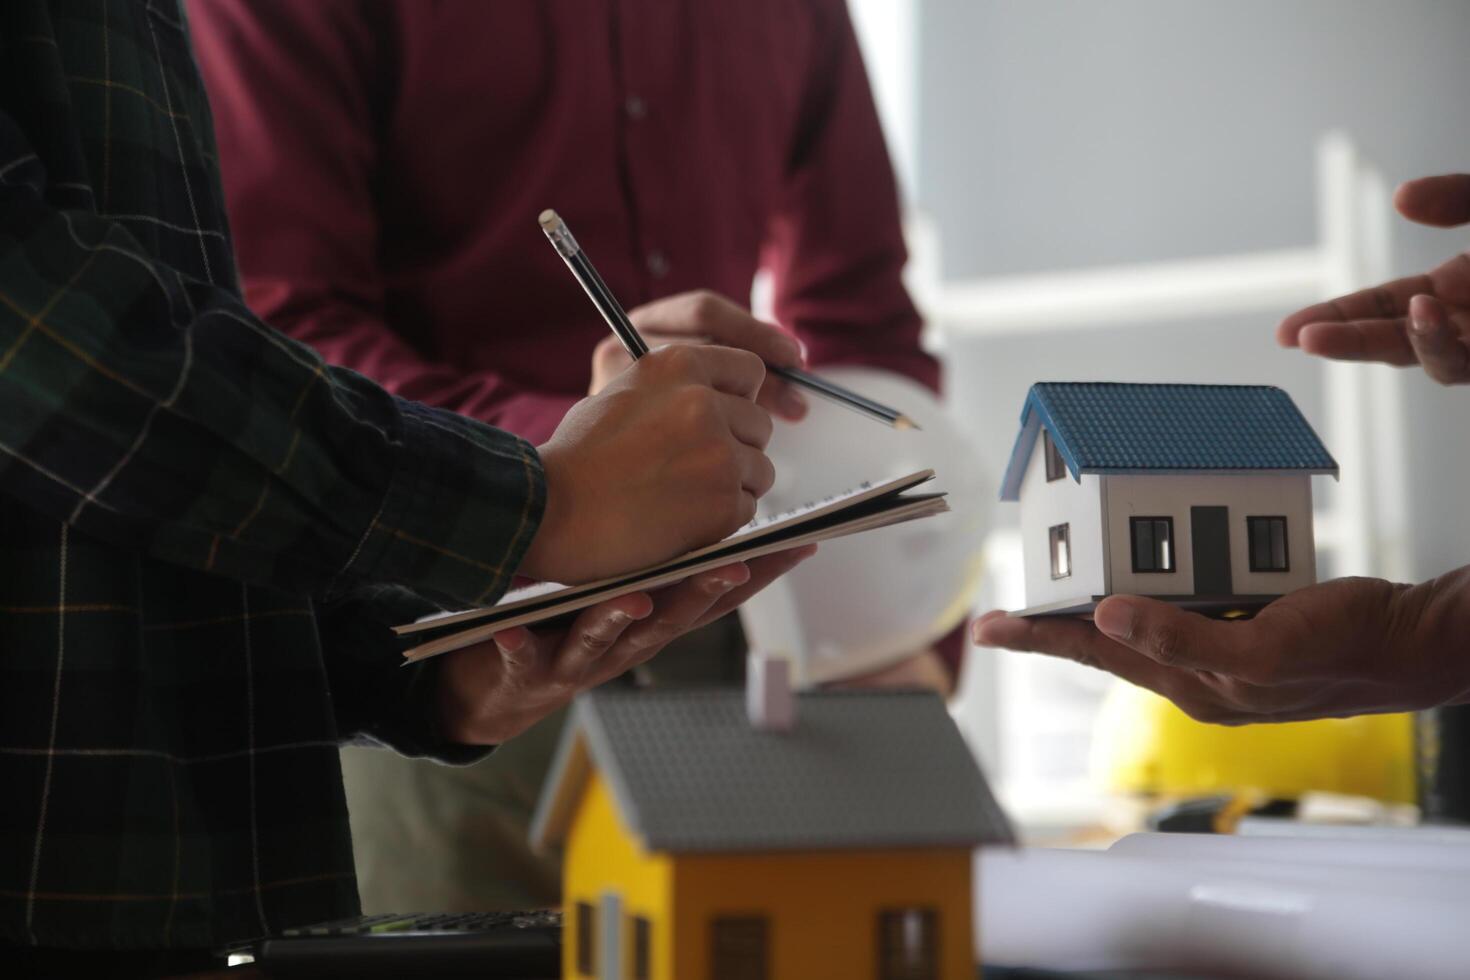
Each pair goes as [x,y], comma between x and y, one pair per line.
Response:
[385,161]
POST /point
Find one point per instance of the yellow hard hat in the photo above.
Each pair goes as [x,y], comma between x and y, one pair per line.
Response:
[1145,745]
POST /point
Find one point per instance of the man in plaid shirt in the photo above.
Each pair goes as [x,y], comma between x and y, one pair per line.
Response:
[206,530]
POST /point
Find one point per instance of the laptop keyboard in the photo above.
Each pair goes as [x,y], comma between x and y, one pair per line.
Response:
[440,922]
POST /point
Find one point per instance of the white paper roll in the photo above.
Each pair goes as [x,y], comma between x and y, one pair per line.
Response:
[1077,910]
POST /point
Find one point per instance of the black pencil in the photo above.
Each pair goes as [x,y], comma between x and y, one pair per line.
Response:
[612,311]
[845,397]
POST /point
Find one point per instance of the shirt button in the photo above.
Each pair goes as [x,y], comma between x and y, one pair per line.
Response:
[658,264]
[635,107]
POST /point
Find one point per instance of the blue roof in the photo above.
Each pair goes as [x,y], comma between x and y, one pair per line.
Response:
[1108,427]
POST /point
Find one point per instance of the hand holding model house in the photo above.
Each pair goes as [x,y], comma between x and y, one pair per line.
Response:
[1350,646]
[1346,647]
[1149,504]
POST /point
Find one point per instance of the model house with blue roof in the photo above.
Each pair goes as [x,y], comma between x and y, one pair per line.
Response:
[1197,494]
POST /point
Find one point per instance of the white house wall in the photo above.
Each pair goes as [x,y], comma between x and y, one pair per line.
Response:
[1063,501]
[1286,495]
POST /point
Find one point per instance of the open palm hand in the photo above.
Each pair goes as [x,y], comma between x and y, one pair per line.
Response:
[1345,647]
[1422,319]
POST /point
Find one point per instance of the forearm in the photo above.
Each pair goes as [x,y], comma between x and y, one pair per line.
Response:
[157,413]
[351,330]
[1430,624]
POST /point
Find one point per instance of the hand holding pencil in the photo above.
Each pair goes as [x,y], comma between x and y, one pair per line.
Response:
[633,343]
[703,317]
[667,458]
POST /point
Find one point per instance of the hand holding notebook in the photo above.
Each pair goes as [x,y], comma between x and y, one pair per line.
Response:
[860,509]
[489,694]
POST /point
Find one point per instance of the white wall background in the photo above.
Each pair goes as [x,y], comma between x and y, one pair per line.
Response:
[1046,135]
[1064,134]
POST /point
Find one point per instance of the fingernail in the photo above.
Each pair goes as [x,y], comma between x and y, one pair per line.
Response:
[997,634]
[1115,618]
[793,403]
[718,586]
[619,618]
[794,351]
[978,629]
[1423,326]
[513,643]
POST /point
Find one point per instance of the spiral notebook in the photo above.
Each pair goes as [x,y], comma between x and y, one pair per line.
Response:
[863,508]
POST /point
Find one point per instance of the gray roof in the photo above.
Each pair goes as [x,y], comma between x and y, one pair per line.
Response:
[689,773]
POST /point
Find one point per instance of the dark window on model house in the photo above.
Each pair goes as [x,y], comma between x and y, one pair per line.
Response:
[1061,550]
[908,944]
[1268,544]
[1153,543]
[1056,467]
[738,948]
[642,952]
[586,928]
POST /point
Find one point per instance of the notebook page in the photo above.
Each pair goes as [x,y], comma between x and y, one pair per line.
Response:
[750,533]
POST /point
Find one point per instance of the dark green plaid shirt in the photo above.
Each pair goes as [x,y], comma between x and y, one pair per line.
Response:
[204,529]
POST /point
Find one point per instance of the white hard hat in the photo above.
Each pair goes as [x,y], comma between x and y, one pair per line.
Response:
[866,601]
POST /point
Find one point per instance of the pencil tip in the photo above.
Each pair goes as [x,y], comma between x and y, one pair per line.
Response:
[549,219]
[904,422]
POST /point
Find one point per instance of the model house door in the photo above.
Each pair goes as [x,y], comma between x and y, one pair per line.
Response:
[1210,534]
[610,943]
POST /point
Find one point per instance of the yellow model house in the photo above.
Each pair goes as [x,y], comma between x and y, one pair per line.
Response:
[701,847]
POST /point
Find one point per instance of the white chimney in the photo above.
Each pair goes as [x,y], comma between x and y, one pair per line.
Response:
[770,703]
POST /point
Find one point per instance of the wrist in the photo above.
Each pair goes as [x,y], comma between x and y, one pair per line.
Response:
[541,558]
[1439,615]
[466,717]
[1421,626]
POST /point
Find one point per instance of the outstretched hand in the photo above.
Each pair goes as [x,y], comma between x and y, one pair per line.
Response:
[1422,320]
[493,691]
[1346,647]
